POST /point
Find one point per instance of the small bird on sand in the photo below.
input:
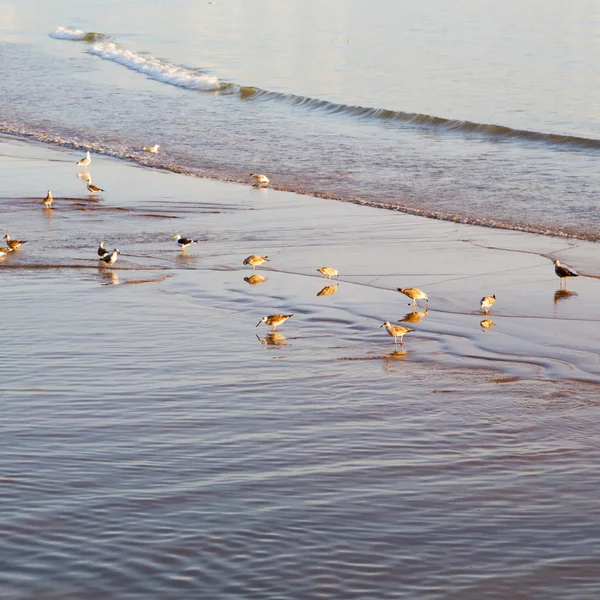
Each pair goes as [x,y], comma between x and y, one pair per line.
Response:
[486,303]
[274,320]
[93,189]
[260,178]
[396,331]
[563,272]
[102,251]
[253,260]
[111,259]
[47,201]
[414,294]
[84,162]
[153,149]
[13,244]
[486,323]
[328,272]
[183,241]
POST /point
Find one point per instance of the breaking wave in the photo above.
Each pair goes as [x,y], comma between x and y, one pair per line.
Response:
[75,35]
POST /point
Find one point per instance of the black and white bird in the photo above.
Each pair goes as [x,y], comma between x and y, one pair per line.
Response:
[111,259]
[102,251]
[84,162]
[486,303]
[183,241]
[93,189]
[563,272]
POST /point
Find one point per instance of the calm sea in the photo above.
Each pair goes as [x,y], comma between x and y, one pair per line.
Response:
[479,111]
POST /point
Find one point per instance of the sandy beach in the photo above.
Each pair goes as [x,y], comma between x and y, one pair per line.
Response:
[145,413]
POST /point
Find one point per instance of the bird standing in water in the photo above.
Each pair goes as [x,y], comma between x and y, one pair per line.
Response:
[563,272]
[47,201]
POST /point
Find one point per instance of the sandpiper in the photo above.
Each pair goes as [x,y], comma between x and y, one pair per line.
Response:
[260,178]
[487,323]
[396,331]
[328,272]
[486,303]
[563,272]
[414,294]
[102,251]
[111,259]
[153,149]
[183,241]
[274,320]
[93,189]
[47,201]
[254,279]
[84,162]
[13,244]
[328,290]
[254,260]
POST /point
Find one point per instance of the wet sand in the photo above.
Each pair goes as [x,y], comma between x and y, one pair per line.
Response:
[156,442]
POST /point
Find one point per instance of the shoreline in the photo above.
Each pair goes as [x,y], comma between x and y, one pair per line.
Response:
[141,159]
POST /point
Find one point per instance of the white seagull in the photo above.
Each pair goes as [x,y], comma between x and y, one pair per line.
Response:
[153,149]
[84,162]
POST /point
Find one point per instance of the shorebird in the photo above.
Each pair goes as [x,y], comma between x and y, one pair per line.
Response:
[254,279]
[84,162]
[414,294]
[260,178]
[396,331]
[486,303]
[414,317]
[93,189]
[274,320]
[153,149]
[183,241]
[13,244]
[111,259]
[47,201]
[563,272]
[328,272]
[328,290]
[102,251]
[253,260]
[486,323]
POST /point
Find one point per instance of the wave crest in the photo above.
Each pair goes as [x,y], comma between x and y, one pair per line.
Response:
[155,68]
[75,35]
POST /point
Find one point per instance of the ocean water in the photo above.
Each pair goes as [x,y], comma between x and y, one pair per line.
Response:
[480,112]
[156,444]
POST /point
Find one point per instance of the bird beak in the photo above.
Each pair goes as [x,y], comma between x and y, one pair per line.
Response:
[381,325]
[258,323]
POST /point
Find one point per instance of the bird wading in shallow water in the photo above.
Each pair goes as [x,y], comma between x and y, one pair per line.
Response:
[274,320]
[84,162]
[563,272]
[102,251]
[328,272]
[254,260]
[183,241]
[111,259]
[47,201]
[396,331]
[93,189]
[260,179]
[486,303]
[414,294]
[14,244]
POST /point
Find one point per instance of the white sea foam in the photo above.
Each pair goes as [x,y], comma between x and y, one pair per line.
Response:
[67,33]
[155,68]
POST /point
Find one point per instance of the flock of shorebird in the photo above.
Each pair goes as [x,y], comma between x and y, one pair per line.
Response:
[254,260]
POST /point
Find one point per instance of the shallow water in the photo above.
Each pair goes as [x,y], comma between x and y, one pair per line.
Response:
[480,113]
[156,444]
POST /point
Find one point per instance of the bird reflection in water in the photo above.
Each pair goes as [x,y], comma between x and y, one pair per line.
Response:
[85,176]
[414,317]
[109,278]
[328,290]
[392,360]
[275,338]
[487,323]
[254,279]
[562,293]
